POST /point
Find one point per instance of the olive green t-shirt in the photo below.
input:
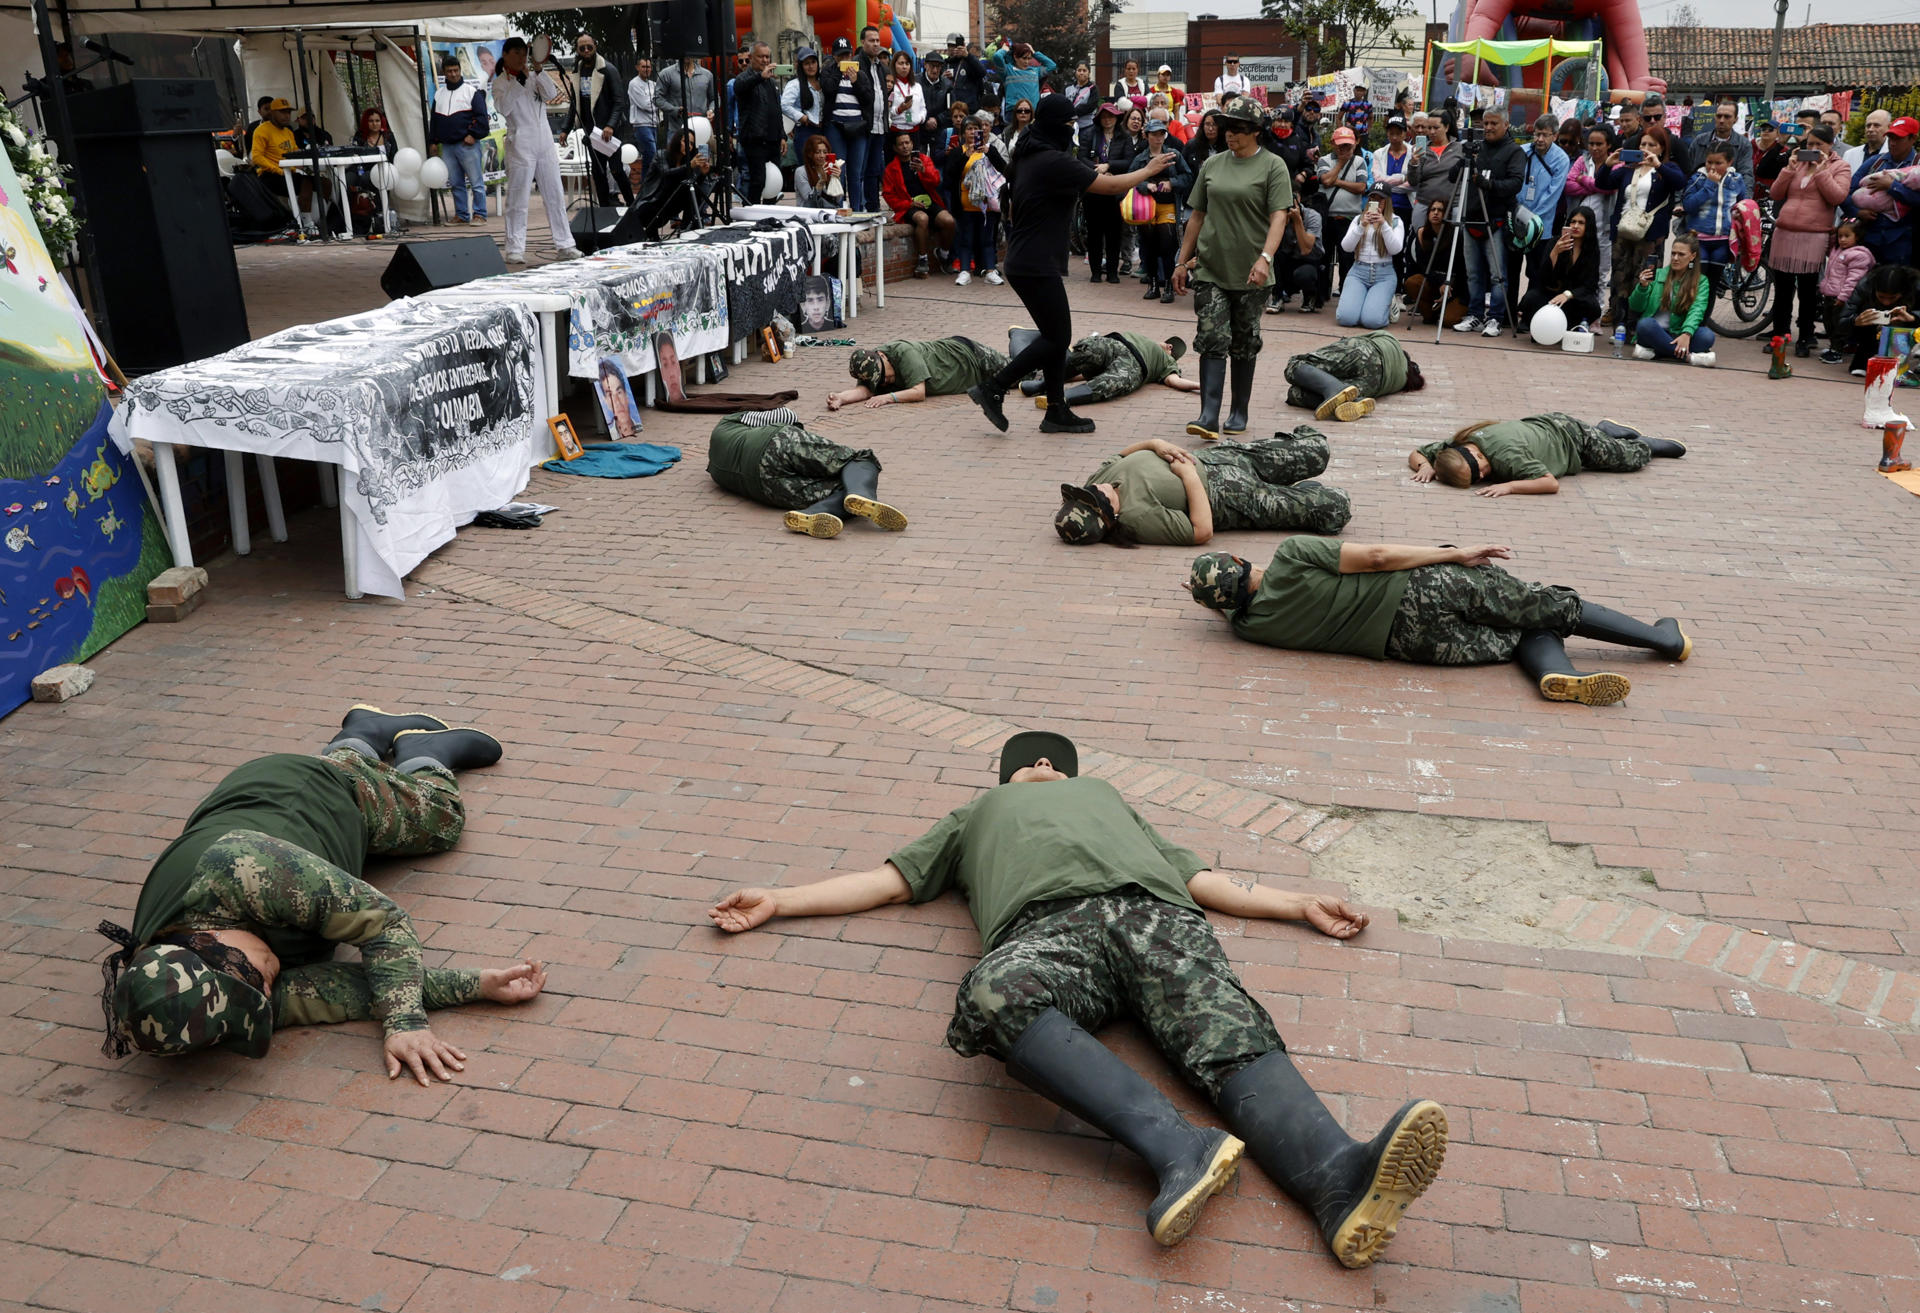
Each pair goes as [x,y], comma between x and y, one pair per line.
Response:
[1306,604]
[1521,449]
[947,365]
[1153,500]
[1160,366]
[1393,360]
[307,801]
[734,453]
[1239,197]
[1026,843]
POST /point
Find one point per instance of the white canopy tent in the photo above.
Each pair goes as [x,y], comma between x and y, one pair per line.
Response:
[97,17]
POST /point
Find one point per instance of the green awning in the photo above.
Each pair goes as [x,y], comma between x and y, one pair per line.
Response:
[1517,52]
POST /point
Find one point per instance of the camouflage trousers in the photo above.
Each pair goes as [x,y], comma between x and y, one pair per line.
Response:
[1598,450]
[799,469]
[407,815]
[1249,484]
[1352,360]
[1458,615]
[1096,959]
[1107,367]
[1229,320]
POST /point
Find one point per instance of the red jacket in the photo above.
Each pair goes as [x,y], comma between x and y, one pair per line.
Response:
[898,196]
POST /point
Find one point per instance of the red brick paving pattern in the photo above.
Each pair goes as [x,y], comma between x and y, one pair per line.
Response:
[771,1123]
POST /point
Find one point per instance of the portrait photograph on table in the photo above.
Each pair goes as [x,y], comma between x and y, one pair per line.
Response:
[617,404]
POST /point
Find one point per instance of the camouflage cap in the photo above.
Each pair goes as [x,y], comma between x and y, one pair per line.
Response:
[1220,581]
[1078,525]
[868,367]
[169,1001]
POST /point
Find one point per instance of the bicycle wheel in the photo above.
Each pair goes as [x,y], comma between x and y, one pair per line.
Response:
[1742,309]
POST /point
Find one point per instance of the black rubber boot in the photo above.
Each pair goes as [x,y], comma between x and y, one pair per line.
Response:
[1242,396]
[1609,626]
[1152,293]
[861,479]
[1077,394]
[1661,446]
[1061,419]
[1356,1192]
[988,397]
[1019,339]
[1213,381]
[1332,393]
[1032,387]
[1543,655]
[455,749]
[369,731]
[1666,447]
[1055,1058]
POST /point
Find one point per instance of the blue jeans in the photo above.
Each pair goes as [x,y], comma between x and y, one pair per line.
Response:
[976,240]
[876,165]
[465,174]
[1484,297]
[853,149]
[648,145]
[1659,341]
[1366,295]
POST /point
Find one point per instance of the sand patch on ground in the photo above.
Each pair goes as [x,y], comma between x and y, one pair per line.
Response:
[1471,879]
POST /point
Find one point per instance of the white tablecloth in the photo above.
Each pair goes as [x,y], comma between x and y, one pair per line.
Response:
[428,409]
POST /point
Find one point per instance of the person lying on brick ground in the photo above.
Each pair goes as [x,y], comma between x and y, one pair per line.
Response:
[1156,492]
[913,371]
[1086,914]
[1342,379]
[1531,455]
[1436,606]
[1110,365]
[770,457]
[239,917]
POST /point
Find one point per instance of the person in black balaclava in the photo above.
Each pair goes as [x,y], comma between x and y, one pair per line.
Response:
[1044,185]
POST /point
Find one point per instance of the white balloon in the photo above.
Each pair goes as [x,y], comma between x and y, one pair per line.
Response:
[407,161]
[1549,325]
[775,184]
[702,131]
[406,188]
[384,176]
[433,173]
[629,153]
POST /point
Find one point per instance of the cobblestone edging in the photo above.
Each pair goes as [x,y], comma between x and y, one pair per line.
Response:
[1307,828]
[1892,997]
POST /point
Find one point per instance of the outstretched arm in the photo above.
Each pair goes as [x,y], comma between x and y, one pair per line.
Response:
[1181,384]
[857,392]
[1544,486]
[840,895]
[1378,558]
[1244,896]
[918,392]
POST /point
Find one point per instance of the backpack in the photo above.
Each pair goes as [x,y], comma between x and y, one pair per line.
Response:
[1745,238]
[981,185]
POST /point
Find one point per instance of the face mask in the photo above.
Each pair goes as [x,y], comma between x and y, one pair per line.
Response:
[1283,130]
[1420,142]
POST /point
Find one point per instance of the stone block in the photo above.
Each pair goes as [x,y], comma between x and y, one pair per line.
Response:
[61,683]
[167,612]
[175,585]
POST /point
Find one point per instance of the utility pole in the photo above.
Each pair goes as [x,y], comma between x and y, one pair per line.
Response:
[1773,56]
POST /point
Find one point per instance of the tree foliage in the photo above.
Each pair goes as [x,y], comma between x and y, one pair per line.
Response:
[612,27]
[1684,15]
[1066,31]
[1345,32]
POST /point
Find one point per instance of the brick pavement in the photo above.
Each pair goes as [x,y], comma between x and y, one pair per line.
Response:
[694,699]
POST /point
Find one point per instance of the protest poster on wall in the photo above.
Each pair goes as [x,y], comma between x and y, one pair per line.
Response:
[1270,71]
[78,543]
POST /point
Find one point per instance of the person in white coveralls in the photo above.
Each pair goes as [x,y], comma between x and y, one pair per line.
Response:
[521,97]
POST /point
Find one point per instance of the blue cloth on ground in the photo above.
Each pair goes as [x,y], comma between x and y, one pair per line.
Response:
[617,460]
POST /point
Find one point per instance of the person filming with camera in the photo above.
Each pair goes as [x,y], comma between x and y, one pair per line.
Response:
[1496,168]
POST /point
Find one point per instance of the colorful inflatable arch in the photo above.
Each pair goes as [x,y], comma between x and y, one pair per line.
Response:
[837,18]
[1616,23]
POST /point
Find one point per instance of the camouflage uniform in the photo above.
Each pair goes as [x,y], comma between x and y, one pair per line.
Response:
[1599,450]
[168,1000]
[1107,367]
[784,466]
[1229,320]
[1114,954]
[1353,360]
[1248,484]
[1457,615]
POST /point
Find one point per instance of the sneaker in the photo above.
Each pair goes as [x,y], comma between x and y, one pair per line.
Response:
[1470,324]
[920,267]
[993,276]
[1802,349]
[516,257]
[1831,357]
[572,253]
[1396,309]
[1642,353]
[962,278]
[1491,328]
[1276,307]
[1704,359]
[1858,373]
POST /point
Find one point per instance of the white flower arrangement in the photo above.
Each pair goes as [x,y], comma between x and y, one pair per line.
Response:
[45,181]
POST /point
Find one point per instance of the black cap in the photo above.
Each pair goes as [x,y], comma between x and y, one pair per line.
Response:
[1029,745]
[1395,121]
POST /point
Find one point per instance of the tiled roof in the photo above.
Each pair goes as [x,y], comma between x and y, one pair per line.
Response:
[1828,55]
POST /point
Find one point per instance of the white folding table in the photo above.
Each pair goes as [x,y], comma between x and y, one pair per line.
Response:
[338,166]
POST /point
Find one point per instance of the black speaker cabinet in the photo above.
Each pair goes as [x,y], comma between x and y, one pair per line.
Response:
[684,28]
[144,154]
[419,267]
[593,227]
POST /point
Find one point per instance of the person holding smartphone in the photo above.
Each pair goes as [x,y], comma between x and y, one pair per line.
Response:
[1645,184]
[1814,180]
[1372,242]
[911,189]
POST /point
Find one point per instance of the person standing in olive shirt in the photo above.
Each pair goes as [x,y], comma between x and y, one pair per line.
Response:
[1436,606]
[1044,186]
[896,372]
[1530,456]
[1086,914]
[1156,492]
[1240,201]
